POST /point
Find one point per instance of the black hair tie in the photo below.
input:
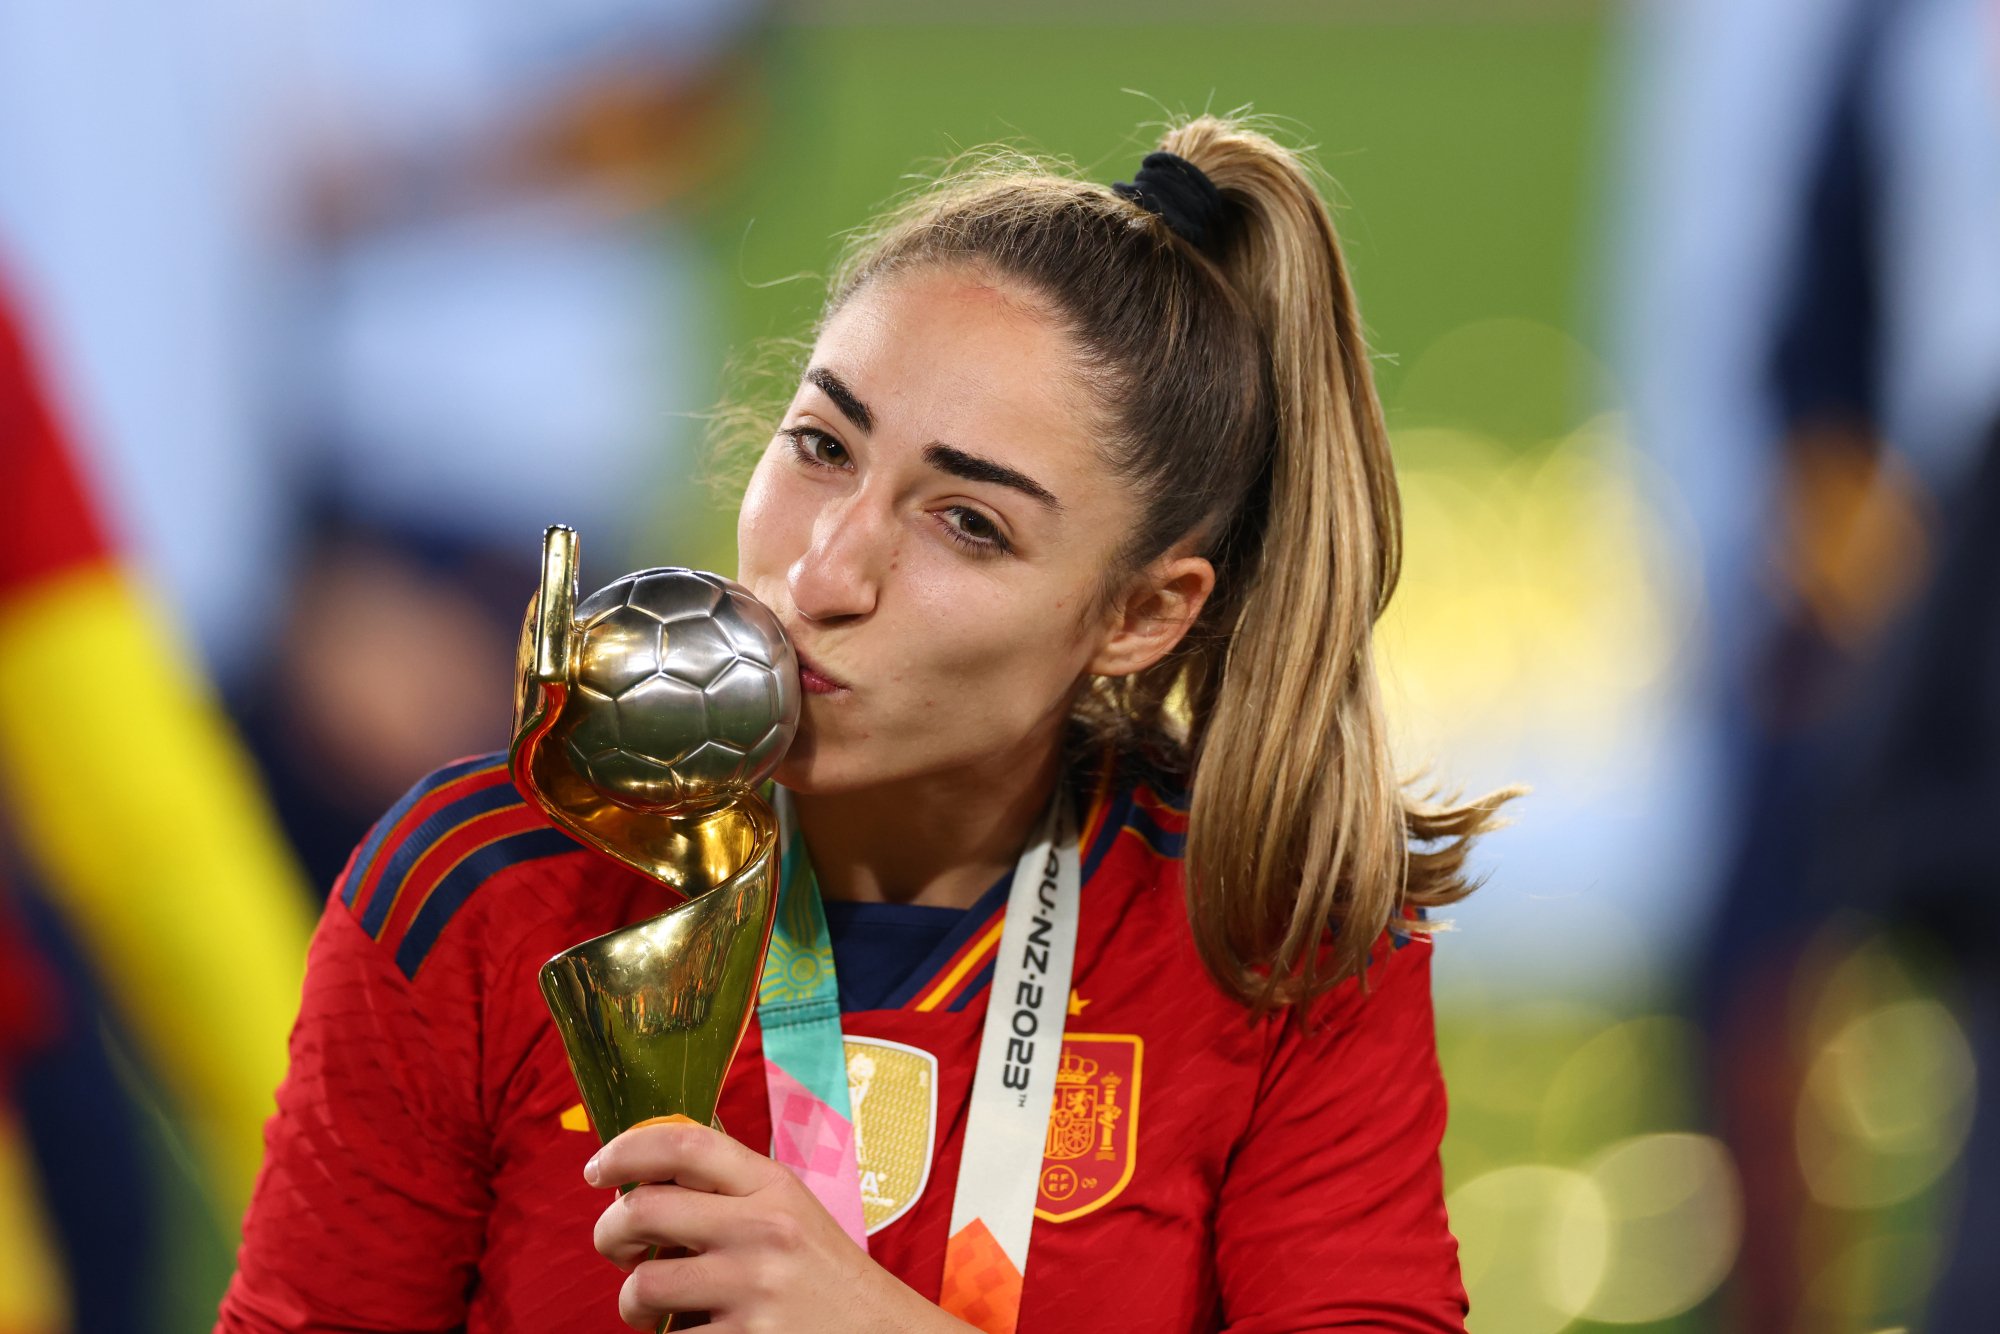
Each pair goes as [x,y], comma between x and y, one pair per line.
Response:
[1172,187]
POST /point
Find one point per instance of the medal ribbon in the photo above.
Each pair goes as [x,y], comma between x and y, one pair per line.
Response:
[1013,1081]
[1013,1085]
[805,1060]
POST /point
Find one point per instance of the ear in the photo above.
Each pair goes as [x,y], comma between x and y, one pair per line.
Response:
[1158,608]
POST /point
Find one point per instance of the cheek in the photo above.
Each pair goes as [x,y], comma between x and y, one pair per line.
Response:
[995,646]
[764,524]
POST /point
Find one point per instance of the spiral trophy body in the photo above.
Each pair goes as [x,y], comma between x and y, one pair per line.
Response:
[645,719]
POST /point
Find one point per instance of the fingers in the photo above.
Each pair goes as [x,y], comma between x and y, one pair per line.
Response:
[669,1287]
[682,1151]
[651,1216]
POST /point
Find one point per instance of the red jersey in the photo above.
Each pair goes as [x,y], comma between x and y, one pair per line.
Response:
[1203,1170]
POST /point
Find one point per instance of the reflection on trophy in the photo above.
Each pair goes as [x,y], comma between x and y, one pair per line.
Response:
[645,719]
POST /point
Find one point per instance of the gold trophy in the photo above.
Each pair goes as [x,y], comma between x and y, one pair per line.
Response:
[646,716]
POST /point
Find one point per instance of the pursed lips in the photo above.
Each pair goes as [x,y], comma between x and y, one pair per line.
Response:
[814,679]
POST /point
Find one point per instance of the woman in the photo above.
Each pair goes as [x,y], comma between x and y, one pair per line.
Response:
[1079,520]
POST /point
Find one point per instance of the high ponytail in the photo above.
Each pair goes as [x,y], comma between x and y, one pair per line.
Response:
[1304,826]
[1235,382]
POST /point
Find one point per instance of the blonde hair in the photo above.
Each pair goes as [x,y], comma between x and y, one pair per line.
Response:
[1238,403]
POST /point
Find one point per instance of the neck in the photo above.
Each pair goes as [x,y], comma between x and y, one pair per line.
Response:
[940,841]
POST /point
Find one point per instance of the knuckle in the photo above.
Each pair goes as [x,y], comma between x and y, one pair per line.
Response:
[645,1211]
[691,1141]
[650,1292]
[764,1279]
[641,1215]
[674,1145]
[647,1152]
[770,1231]
[783,1232]
[776,1176]
[607,1235]
[632,1303]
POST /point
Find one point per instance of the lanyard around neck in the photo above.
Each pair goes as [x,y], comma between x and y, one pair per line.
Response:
[1013,1083]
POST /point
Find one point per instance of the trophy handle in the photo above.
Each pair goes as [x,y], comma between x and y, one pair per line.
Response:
[548,636]
[555,605]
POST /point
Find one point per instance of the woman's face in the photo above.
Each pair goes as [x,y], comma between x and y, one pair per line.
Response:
[933,525]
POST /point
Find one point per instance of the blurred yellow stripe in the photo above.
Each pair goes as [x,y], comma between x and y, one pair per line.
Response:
[145,822]
[32,1299]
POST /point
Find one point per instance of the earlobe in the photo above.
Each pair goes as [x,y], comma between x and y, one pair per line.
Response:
[1155,614]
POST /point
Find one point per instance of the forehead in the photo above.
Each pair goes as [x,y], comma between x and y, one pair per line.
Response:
[947,355]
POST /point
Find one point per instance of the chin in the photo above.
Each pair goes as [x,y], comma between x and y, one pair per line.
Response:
[794,771]
[812,769]
[794,775]
[813,773]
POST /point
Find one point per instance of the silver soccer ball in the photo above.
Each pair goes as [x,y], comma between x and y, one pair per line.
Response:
[687,691]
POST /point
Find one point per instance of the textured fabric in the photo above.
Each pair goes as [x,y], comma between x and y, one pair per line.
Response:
[421,1176]
[798,1007]
[980,1285]
[817,1143]
[877,947]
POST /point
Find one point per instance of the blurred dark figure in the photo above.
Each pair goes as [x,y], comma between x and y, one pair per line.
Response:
[497,318]
[1868,723]
[395,652]
[1901,832]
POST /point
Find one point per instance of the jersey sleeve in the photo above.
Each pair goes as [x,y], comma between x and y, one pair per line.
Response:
[1331,1215]
[370,1210]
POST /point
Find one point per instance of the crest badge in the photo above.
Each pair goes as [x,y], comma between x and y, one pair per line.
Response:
[893,1091]
[1093,1137]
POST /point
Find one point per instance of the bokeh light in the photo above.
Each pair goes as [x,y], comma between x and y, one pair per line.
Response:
[1629,1078]
[1645,1230]
[1674,1221]
[1532,1245]
[1879,1273]
[1886,1105]
[1545,592]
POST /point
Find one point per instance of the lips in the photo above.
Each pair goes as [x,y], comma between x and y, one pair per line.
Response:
[815,681]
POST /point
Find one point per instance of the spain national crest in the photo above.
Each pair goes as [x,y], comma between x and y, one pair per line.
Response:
[1094,1126]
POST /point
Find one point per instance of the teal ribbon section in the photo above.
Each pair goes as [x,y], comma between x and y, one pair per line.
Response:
[798,999]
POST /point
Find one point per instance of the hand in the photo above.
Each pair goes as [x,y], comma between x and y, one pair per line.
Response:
[763,1254]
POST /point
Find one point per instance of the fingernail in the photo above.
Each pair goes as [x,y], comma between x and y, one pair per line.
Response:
[590,1170]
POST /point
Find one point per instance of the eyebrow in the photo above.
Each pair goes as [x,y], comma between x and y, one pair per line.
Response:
[843,398]
[973,468]
[945,458]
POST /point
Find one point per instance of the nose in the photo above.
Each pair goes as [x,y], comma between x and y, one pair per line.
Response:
[839,575]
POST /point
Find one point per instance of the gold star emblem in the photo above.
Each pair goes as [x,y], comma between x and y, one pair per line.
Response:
[1076,1002]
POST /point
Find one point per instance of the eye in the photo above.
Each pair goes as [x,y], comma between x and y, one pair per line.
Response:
[973,531]
[815,448]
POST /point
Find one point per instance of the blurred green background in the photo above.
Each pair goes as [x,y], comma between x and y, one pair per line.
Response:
[1465,155]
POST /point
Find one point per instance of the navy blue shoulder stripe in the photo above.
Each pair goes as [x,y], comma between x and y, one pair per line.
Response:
[458,885]
[427,834]
[1171,843]
[365,855]
[1117,808]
